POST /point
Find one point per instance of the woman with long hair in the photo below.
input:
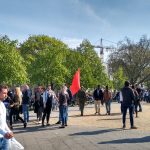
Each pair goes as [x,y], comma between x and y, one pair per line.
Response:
[16,105]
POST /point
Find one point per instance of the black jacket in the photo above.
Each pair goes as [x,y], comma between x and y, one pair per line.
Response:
[98,94]
[26,97]
[128,96]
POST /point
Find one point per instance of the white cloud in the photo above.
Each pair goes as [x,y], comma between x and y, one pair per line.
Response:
[72,42]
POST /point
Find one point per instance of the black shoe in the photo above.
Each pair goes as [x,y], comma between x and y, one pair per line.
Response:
[62,126]
[25,125]
[124,126]
[43,125]
[133,127]
[66,125]
[48,124]
[58,122]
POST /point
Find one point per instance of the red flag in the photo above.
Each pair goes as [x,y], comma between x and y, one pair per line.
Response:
[75,87]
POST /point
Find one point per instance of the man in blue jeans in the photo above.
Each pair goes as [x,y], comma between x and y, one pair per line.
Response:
[25,103]
[127,99]
[5,133]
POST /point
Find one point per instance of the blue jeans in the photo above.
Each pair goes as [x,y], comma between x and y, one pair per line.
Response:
[25,109]
[66,114]
[108,106]
[63,114]
[131,109]
[4,144]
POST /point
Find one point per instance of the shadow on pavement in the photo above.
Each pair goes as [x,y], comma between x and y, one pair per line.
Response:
[112,114]
[115,114]
[83,115]
[133,140]
[95,132]
[34,129]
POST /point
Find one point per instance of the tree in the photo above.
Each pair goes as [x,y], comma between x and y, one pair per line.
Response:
[72,63]
[92,70]
[134,58]
[48,67]
[119,79]
[45,58]
[44,55]
[12,68]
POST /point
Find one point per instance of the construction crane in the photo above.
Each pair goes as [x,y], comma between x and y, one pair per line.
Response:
[107,48]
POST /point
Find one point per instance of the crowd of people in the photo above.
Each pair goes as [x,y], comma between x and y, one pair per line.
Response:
[17,101]
[44,100]
[129,97]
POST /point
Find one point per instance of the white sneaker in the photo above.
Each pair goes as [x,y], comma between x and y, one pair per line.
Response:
[39,122]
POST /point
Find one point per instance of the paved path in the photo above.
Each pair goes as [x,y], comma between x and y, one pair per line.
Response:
[83,133]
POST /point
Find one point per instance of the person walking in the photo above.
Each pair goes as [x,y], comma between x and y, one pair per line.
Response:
[107,100]
[25,103]
[127,99]
[48,97]
[82,99]
[136,100]
[63,98]
[5,132]
[98,97]
[37,102]
[15,107]
[139,90]
[69,102]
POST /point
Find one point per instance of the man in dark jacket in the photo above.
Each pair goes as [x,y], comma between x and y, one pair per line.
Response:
[127,98]
[25,103]
[82,99]
[98,97]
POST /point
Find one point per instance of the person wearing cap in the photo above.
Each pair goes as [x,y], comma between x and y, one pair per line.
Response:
[127,99]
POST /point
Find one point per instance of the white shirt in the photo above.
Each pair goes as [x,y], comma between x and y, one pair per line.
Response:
[3,125]
[121,97]
[45,95]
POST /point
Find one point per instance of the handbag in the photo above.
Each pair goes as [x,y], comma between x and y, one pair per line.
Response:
[15,145]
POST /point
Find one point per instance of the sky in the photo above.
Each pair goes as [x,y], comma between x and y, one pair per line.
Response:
[74,20]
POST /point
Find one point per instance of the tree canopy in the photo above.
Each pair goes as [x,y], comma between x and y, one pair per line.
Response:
[134,58]
[12,68]
[44,60]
